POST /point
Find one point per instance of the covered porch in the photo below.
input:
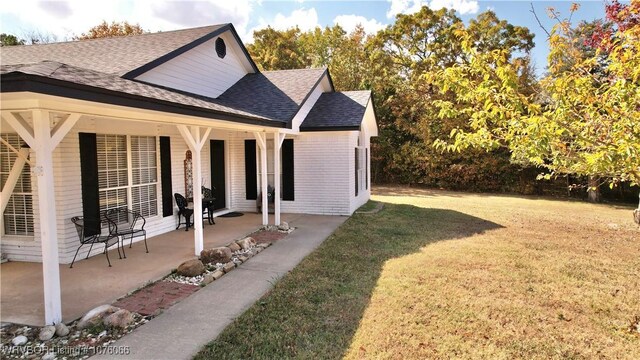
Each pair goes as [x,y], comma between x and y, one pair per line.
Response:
[91,282]
[55,134]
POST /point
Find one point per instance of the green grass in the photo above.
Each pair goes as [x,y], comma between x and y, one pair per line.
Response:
[370,205]
[438,274]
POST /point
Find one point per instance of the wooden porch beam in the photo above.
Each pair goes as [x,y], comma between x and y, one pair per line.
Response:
[195,141]
[261,139]
[278,139]
[18,124]
[61,129]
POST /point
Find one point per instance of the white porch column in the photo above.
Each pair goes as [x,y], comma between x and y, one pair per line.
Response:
[277,145]
[261,139]
[43,141]
[195,142]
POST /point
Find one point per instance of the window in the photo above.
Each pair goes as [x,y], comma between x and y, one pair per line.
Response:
[127,173]
[18,216]
[221,48]
[361,165]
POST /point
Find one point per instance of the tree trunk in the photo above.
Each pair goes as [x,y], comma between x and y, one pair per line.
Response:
[594,189]
[636,212]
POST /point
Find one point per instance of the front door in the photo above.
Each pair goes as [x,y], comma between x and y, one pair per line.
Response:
[218,175]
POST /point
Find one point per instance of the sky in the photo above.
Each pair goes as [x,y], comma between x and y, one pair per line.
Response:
[64,18]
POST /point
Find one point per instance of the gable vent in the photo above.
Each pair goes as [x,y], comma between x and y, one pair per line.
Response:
[221,48]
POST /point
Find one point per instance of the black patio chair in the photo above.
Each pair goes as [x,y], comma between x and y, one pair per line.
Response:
[207,206]
[183,211]
[128,223]
[108,240]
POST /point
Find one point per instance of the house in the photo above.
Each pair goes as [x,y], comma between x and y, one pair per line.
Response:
[129,121]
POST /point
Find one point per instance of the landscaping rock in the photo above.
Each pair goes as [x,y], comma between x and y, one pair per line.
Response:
[95,315]
[19,340]
[217,274]
[229,266]
[191,268]
[284,226]
[49,356]
[208,279]
[234,247]
[62,329]
[47,332]
[246,243]
[119,319]
[216,255]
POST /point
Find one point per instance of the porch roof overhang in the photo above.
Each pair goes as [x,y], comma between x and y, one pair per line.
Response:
[27,91]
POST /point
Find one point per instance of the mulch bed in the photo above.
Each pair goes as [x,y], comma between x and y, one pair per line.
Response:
[151,299]
[268,236]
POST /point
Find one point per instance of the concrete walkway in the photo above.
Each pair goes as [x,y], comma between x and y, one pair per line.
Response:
[182,330]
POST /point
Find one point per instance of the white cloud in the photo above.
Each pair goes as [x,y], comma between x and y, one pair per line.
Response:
[304,19]
[461,6]
[67,18]
[413,6]
[349,23]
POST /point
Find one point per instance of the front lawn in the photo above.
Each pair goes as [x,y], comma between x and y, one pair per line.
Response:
[441,274]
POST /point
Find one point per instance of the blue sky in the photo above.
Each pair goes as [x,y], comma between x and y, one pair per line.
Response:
[66,18]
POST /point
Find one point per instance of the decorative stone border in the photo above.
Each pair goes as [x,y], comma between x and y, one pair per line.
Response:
[102,326]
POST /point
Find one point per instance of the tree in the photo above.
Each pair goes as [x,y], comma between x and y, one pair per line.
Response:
[579,123]
[278,50]
[105,30]
[415,48]
[10,40]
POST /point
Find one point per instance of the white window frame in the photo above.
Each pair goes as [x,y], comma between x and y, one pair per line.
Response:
[29,233]
[129,203]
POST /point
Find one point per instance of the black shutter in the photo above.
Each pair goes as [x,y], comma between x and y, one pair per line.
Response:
[89,183]
[366,169]
[216,152]
[356,171]
[288,192]
[165,176]
[251,176]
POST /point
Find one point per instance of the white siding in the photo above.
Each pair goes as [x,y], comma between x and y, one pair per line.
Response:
[363,194]
[200,70]
[321,160]
[323,165]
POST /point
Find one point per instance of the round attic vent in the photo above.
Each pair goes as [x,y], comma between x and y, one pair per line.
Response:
[221,48]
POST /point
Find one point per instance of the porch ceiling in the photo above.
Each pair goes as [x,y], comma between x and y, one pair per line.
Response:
[91,282]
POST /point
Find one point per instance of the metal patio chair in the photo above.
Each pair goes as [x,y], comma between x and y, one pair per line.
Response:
[128,224]
[108,240]
[183,211]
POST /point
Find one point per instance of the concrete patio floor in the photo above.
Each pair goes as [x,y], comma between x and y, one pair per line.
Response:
[91,282]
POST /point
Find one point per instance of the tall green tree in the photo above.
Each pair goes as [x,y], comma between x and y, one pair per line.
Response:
[278,50]
[582,122]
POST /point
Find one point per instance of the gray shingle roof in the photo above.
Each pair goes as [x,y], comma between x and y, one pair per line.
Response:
[116,55]
[272,94]
[337,110]
[75,75]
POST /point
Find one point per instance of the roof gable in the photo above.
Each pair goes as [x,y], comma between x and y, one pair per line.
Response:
[126,56]
[198,69]
[273,94]
[337,111]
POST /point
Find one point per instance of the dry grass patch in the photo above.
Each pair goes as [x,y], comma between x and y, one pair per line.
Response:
[439,274]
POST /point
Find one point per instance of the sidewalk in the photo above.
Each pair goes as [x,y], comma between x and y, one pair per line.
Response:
[182,330]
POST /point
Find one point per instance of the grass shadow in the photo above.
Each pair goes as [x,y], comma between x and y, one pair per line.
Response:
[315,310]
